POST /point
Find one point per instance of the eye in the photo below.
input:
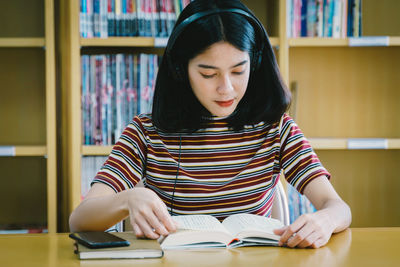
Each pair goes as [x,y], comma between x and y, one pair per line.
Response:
[238,72]
[207,76]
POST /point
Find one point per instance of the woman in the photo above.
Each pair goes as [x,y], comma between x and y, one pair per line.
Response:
[217,139]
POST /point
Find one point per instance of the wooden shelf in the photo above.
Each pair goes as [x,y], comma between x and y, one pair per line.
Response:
[96,150]
[394,41]
[329,42]
[17,151]
[124,42]
[22,42]
[311,41]
[274,41]
[136,42]
[342,143]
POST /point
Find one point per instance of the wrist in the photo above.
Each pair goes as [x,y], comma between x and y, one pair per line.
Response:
[124,199]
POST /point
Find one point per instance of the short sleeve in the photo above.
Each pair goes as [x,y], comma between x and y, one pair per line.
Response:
[124,167]
[298,161]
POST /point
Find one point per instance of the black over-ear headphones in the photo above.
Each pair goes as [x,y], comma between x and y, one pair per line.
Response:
[177,69]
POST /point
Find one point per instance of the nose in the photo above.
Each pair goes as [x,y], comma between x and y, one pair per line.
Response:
[224,84]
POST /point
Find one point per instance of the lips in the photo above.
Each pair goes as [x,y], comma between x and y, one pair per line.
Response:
[225,103]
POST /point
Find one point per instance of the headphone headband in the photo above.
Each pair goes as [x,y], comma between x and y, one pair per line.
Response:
[257,25]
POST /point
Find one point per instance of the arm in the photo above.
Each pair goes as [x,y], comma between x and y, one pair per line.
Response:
[103,208]
[314,230]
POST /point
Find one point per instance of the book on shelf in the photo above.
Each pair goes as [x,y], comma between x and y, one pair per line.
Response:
[138,249]
[152,18]
[205,231]
[324,18]
[22,228]
[115,88]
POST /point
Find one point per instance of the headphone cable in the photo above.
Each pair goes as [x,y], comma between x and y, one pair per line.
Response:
[177,173]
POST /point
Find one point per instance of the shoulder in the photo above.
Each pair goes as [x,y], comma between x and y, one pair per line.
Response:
[142,123]
[285,122]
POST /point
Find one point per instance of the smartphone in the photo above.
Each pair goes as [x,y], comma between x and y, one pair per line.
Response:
[99,239]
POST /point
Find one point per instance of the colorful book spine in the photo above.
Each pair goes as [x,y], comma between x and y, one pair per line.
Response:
[115,88]
[104,18]
[324,18]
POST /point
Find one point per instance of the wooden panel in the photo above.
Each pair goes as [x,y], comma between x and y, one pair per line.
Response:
[368,181]
[349,92]
[380,17]
[96,150]
[21,18]
[267,12]
[51,119]
[22,42]
[22,104]
[23,190]
[30,151]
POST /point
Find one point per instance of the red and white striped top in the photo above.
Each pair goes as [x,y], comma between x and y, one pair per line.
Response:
[221,172]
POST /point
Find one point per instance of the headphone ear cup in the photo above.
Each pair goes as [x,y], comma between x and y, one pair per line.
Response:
[179,73]
[257,58]
[175,69]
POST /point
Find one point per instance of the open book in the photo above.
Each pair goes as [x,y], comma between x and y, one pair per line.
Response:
[205,231]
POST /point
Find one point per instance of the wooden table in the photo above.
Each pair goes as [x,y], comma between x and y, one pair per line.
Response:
[353,247]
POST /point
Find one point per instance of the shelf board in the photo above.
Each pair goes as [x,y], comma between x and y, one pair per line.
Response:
[124,41]
[16,151]
[342,143]
[96,150]
[137,42]
[328,42]
[394,41]
[274,41]
[328,143]
[22,42]
[315,41]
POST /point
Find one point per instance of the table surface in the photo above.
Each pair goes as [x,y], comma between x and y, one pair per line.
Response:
[353,247]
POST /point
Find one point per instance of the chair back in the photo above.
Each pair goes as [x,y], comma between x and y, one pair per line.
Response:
[280,208]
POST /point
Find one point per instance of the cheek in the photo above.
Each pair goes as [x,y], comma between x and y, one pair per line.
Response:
[242,86]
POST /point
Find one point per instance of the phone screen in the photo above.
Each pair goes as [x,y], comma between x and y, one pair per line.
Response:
[98,239]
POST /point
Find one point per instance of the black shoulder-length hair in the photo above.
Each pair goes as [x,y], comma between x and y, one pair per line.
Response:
[176,108]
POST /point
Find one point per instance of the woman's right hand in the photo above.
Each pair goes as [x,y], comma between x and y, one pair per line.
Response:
[148,214]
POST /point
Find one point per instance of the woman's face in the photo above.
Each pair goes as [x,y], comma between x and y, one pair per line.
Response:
[219,77]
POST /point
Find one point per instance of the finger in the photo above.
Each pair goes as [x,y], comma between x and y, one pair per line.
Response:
[280,231]
[291,229]
[161,212]
[319,243]
[309,240]
[156,224]
[146,228]
[137,230]
[300,235]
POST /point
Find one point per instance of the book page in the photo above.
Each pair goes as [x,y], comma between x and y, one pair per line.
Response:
[198,222]
[238,223]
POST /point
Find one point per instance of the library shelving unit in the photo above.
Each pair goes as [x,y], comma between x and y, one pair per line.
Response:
[346,103]
[28,116]
[72,45]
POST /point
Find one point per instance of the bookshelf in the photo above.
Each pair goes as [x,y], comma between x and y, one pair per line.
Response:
[344,94]
[73,46]
[28,116]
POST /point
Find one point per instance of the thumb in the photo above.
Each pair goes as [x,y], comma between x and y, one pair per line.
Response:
[280,231]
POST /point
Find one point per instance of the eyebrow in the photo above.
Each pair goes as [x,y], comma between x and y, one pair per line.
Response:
[213,67]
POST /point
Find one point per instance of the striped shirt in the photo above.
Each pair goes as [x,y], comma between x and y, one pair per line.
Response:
[221,172]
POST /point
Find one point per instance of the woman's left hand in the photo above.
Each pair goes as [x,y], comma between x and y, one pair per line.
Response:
[309,230]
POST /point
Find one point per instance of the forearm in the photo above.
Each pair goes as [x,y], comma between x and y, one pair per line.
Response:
[99,213]
[338,212]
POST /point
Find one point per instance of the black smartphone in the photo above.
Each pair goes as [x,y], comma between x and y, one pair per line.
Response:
[99,239]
